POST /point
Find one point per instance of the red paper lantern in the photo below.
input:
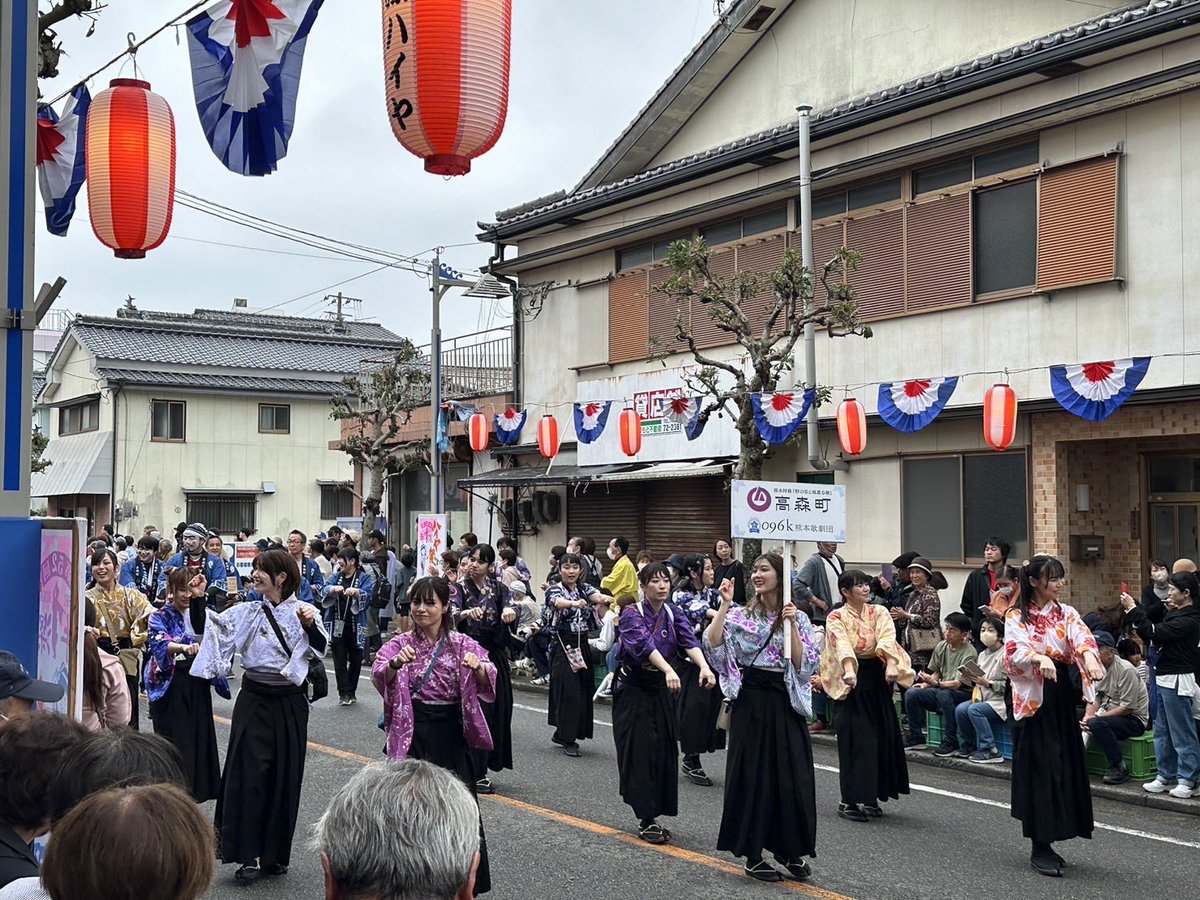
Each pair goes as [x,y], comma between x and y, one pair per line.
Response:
[446,65]
[999,416]
[630,424]
[548,437]
[852,426]
[130,167]
[477,431]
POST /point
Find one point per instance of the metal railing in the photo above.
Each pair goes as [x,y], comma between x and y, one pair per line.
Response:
[473,365]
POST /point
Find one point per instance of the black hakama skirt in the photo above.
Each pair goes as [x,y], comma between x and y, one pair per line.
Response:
[184,716]
[698,708]
[499,718]
[871,762]
[438,739]
[770,789]
[264,772]
[1050,790]
[647,753]
[570,710]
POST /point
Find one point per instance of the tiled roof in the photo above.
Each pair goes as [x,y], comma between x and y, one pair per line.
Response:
[784,133]
[219,381]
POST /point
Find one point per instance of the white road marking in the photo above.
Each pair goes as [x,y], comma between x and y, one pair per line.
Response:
[983,801]
[543,712]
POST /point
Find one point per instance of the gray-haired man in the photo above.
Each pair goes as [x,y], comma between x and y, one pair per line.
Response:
[400,829]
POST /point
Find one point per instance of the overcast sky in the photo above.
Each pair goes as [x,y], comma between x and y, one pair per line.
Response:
[580,72]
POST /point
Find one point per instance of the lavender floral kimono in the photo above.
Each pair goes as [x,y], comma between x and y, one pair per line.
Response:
[448,682]
[746,644]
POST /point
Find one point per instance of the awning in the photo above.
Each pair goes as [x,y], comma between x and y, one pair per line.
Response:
[528,476]
[80,464]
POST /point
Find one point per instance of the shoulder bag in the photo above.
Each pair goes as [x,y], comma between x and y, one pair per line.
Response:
[318,679]
[725,714]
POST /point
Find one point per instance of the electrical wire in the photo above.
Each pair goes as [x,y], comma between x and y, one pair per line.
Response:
[327,257]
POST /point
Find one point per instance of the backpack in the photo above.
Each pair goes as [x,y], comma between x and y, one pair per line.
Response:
[381,592]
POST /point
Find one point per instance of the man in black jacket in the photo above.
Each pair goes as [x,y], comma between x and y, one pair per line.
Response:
[981,584]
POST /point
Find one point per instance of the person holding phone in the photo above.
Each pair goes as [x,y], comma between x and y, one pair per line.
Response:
[1044,639]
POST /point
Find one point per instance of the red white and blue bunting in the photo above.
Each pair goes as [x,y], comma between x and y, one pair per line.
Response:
[1094,391]
[779,415]
[508,426]
[685,412]
[246,61]
[590,419]
[61,157]
[909,406]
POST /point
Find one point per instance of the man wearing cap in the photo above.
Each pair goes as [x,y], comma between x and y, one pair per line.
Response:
[895,590]
[1121,709]
[193,555]
[19,691]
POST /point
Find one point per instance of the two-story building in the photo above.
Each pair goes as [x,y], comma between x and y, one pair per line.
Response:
[1022,190]
[218,417]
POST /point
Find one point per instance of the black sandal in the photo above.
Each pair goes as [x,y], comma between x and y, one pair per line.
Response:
[762,870]
[852,812]
[873,811]
[248,872]
[798,870]
[276,869]
[654,834]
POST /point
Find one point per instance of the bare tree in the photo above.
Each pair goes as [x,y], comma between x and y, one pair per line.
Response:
[49,49]
[373,407]
[766,331]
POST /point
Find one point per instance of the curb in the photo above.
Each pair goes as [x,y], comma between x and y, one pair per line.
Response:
[1133,797]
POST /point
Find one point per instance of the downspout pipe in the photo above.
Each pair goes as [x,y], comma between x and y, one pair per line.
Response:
[498,257]
[815,459]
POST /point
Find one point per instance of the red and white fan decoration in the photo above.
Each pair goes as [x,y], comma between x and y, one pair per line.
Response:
[1094,391]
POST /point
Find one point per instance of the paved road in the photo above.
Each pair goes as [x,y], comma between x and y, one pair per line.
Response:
[557,829]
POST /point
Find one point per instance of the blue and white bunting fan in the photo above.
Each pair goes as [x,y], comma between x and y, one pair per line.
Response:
[909,406]
[508,427]
[1094,391]
[779,415]
[590,419]
[685,412]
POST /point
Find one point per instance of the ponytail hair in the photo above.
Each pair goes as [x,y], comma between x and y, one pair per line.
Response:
[1041,568]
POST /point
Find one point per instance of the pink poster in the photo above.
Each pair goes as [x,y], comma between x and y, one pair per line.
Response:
[60,617]
[431,543]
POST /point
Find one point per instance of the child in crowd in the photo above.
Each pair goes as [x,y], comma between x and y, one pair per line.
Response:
[1131,651]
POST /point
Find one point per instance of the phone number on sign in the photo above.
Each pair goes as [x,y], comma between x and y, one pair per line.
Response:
[777,527]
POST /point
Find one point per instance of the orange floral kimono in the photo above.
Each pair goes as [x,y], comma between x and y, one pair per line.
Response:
[854,637]
[1055,631]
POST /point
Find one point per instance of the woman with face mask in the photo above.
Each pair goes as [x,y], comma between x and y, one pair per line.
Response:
[653,633]
[985,710]
[1154,598]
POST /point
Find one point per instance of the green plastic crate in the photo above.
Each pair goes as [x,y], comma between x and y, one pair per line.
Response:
[933,729]
[1138,753]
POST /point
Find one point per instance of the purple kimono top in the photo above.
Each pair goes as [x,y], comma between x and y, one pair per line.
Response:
[448,682]
[642,632]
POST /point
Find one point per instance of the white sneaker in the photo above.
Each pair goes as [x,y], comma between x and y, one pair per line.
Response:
[605,689]
[1158,786]
[1184,790]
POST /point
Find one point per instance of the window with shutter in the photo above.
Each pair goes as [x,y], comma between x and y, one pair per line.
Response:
[664,311]
[938,253]
[760,258]
[879,280]
[826,241]
[1077,225]
[627,317]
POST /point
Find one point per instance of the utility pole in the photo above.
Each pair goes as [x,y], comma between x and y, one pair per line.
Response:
[338,301]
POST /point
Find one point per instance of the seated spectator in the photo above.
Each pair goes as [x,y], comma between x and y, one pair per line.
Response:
[131,843]
[31,747]
[938,689]
[1121,709]
[19,691]
[985,710]
[400,829]
[1131,651]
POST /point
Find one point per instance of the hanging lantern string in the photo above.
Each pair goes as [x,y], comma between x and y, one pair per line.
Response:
[548,407]
[131,50]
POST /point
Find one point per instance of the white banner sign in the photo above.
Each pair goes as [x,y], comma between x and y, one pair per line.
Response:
[787,511]
[431,543]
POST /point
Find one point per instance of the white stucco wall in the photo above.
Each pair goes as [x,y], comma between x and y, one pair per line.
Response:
[75,378]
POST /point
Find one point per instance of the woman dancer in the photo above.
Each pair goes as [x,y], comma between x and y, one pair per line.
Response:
[434,681]
[653,633]
[181,707]
[264,767]
[770,790]
[570,617]
[698,707]
[860,663]
[121,614]
[1044,639]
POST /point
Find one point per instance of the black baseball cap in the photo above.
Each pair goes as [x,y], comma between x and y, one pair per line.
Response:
[378,535]
[16,682]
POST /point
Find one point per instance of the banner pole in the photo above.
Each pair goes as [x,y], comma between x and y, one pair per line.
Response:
[785,594]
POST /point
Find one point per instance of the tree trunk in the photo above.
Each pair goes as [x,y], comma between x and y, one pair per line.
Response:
[372,502]
[752,454]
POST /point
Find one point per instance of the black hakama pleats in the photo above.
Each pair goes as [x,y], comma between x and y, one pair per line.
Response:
[647,753]
[770,790]
[184,716]
[871,762]
[698,709]
[570,710]
[264,772]
[1050,791]
[438,739]
[499,719]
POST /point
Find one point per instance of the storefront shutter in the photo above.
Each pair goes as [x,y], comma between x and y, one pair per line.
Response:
[879,280]
[602,511]
[627,317]
[826,241]
[938,253]
[1077,224]
[685,515]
